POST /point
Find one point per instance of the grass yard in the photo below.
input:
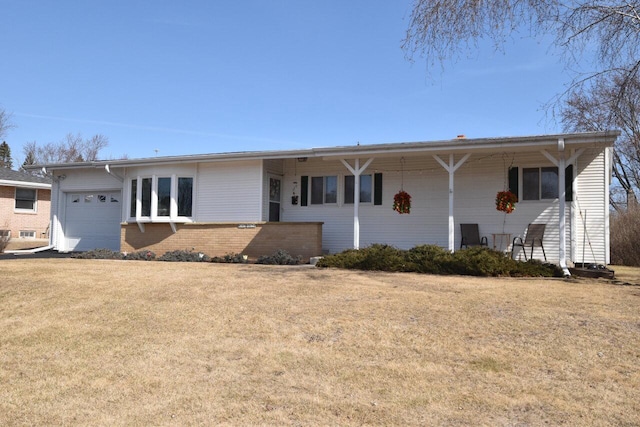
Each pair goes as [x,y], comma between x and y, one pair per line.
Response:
[87,342]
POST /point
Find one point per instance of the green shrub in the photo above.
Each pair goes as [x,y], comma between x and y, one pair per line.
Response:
[231,258]
[383,258]
[143,255]
[479,261]
[182,255]
[431,259]
[535,268]
[375,257]
[99,254]
[280,257]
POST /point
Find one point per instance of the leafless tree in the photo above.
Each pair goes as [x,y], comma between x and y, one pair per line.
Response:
[5,122]
[444,29]
[598,33]
[611,101]
[73,148]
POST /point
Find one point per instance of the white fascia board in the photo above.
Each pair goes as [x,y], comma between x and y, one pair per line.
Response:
[24,184]
[465,145]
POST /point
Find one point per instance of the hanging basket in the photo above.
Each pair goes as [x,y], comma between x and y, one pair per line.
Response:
[402,202]
[506,201]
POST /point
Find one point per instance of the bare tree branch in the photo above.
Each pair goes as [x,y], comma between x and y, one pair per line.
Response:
[5,122]
[73,148]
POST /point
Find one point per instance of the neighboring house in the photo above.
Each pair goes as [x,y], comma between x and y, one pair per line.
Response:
[303,200]
[25,202]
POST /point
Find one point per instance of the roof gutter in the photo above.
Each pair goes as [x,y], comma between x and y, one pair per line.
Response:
[24,184]
[346,152]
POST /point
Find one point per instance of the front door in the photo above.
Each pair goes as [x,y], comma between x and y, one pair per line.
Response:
[275,190]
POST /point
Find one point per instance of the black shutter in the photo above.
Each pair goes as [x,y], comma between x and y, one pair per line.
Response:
[513,180]
[304,190]
[568,183]
[377,189]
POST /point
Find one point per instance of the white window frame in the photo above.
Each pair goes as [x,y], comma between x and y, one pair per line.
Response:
[540,198]
[27,234]
[23,210]
[371,190]
[324,191]
[173,206]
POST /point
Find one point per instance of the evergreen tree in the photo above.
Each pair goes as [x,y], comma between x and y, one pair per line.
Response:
[30,159]
[5,156]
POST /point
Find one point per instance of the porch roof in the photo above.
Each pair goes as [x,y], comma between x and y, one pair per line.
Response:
[457,145]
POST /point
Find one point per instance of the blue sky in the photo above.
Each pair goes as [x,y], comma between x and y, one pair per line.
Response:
[211,76]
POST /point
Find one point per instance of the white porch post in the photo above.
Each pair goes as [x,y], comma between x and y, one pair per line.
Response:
[356,205]
[561,164]
[356,171]
[451,168]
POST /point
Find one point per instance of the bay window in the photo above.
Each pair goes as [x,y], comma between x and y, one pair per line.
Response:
[185,196]
[146,197]
[164,196]
[161,198]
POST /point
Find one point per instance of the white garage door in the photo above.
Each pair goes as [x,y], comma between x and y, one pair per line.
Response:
[92,220]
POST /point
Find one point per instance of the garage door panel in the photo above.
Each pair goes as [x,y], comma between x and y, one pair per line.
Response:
[92,220]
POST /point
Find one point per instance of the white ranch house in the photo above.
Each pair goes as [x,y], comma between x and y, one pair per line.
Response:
[232,199]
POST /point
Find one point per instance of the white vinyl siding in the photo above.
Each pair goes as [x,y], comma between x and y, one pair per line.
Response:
[591,209]
[229,192]
[88,180]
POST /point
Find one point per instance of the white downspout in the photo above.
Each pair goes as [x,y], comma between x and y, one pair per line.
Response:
[562,225]
[53,218]
[607,220]
[107,169]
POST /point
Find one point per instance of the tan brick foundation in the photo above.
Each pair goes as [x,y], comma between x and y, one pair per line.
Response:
[216,239]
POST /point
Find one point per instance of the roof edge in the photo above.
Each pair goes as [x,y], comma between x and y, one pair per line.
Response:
[457,144]
[24,184]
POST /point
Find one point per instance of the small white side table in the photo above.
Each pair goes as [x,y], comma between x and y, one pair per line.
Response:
[501,241]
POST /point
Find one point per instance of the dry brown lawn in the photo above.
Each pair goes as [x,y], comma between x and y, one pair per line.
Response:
[150,343]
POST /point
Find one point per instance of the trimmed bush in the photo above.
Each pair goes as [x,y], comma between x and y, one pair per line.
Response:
[431,259]
[181,255]
[99,254]
[231,258]
[141,256]
[280,257]
[377,257]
